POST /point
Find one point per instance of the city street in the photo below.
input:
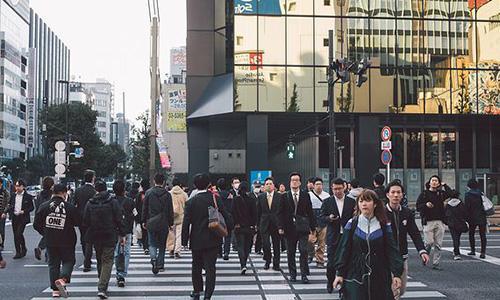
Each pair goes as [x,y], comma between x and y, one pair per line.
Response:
[470,278]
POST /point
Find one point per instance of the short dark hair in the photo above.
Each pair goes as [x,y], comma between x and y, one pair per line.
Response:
[119,187]
[392,184]
[59,188]
[354,183]
[20,182]
[47,183]
[379,178]
[135,185]
[233,179]
[338,181]
[100,186]
[472,184]
[201,181]
[243,188]
[296,174]
[269,178]
[221,184]
[145,184]
[159,178]
[88,175]
[317,179]
[176,182]
[311,180]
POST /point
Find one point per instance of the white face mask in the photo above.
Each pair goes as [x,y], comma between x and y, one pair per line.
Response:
[256,190]
[236,186]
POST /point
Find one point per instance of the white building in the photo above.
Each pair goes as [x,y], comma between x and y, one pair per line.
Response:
[14,36]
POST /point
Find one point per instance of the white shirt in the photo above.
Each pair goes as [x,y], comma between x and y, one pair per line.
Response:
[19,203]
[271,194]
[316,203]
[340,206]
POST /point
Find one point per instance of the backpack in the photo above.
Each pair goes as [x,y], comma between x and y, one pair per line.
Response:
[101,216]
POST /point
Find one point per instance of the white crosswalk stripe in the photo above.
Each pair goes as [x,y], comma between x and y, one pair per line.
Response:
[175,282]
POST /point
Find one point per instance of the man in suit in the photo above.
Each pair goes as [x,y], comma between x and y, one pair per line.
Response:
[336,212]
[82,195]
[267,215]
[204,243]
[254,194]
[21,204]
[296,223]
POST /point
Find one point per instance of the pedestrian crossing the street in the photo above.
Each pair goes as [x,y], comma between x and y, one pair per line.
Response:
[175,282]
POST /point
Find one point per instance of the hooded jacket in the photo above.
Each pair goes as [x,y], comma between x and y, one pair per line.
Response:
[354,193]
[103,216]
[56,220]
[456,215]
[474,206]
[179,198]
[157,208]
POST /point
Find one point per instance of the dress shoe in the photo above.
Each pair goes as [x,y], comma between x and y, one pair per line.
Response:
[87,269]
[329,287]
[277,269]
[482,255]
[293,278]
[305,280]
[195,296]
[17,256]
[266,266]
[226,257]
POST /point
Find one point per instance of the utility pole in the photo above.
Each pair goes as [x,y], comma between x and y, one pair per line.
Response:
[332,136]
[154,88]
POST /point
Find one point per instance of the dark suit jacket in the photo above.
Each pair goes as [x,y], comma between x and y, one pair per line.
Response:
[287,210]
[27,206]
[195,224]
[267,219]
[328,208]
[82,195]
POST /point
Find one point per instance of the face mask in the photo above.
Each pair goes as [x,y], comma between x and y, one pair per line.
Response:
[236,186]
[256,190]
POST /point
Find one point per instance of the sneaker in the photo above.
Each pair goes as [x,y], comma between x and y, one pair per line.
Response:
[226,257]
[457,257]
[472,253]
[146,252]
[121,282]
[61,286]
[483,256]
[56,294]
[243,271]
[38,253]
[85,269]
[154,268]
[177,255]
[3,263]
[171,254]
[102,295]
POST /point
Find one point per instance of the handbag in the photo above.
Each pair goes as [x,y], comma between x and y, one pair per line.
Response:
[488,206]
[216,221]
[302,225]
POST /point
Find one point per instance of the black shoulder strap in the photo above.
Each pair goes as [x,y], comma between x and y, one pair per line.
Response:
[354,225]
[321,200]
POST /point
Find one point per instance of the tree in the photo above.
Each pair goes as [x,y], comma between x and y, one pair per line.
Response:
[294,107]
[344,102]
[15,167]
[36,167]
[109,159]
[140,147]
[464,104]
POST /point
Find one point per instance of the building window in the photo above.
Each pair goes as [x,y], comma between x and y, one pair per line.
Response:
[326,2]
[239,40]
[326,43]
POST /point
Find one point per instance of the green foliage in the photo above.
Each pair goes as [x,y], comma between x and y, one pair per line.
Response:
[294,106]
[139,144]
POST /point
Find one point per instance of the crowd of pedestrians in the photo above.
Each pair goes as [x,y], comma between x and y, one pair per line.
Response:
[359,235]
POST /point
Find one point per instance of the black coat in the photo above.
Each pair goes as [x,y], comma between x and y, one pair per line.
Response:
[195,225]
[402,224]
[437,198]
[26,206]
[43,196]
[128,207]
[54,235]
[103,217]
[158,201]
[380,191]
[267,219]
[475,209]
[82,195]
[329,207]
[287,210]
[456,215]
[244,211]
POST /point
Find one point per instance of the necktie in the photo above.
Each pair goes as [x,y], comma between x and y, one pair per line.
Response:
[296,200]
[269,200]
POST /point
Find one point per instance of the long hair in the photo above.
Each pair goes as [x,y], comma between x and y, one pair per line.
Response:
[379,213]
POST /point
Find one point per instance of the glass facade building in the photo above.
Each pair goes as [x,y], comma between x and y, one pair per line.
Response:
[434,78]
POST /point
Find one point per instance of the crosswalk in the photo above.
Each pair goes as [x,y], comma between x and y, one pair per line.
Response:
[175,282]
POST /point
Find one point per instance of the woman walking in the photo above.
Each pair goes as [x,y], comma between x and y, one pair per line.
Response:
[245,218]
[368,259]
[477,216]
[455,216]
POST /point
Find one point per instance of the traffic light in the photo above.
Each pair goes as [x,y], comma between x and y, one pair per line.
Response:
[290,150]
[343,70]
[361,77]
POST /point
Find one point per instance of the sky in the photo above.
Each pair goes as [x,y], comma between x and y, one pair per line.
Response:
[110,39]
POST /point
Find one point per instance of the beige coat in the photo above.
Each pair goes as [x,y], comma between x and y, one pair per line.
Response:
[179,198]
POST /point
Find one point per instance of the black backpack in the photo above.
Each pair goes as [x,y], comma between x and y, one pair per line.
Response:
[101,216]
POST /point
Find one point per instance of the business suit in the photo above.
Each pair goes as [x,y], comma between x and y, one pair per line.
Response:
[268,226]
[204,243]
[287,214]
[19,221]
[82,195]
[334,235]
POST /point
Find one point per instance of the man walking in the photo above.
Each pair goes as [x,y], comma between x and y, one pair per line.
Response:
[297,221]
[317,196]
[268,207]
[204,243]
[56,220]
[103,217]
[254,195]
[21,205]
[81,196]
[378,186]
[44,196]
[123,249]
[336,211]
[403,224]
[158,218]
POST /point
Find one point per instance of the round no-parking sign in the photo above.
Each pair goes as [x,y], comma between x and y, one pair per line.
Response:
[386,133]
[386,157]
